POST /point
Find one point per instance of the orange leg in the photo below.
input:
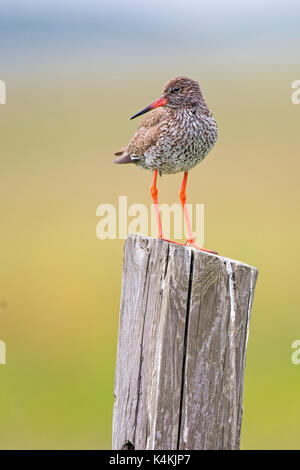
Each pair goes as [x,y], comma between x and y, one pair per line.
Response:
[191,240]
[154,192]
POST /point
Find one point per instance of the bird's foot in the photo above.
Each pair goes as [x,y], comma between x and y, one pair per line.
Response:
[191,242]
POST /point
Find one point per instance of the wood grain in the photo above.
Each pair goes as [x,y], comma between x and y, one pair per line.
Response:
[184,321]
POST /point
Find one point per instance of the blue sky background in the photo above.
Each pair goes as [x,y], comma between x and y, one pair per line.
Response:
[131,33]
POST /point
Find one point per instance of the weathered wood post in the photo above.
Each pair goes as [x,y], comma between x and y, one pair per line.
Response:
[181,351]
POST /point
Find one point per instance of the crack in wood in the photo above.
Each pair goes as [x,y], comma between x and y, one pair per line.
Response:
[127,446]
[185,346]
[141,348]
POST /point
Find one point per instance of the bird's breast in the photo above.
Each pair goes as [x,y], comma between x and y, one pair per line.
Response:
[189,131]
[183,141]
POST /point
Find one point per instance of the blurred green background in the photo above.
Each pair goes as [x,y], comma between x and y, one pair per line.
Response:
[75,72]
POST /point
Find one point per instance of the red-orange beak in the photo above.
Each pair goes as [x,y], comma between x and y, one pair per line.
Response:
[156,104]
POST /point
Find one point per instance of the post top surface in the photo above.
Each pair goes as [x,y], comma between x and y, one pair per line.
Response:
[140,237]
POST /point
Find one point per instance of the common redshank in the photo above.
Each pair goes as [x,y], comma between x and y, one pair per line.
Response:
[175,137]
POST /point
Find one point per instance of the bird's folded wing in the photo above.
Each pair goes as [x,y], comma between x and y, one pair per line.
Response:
[146,135]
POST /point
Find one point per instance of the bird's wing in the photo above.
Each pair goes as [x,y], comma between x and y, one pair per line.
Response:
[154,118]
[145,136]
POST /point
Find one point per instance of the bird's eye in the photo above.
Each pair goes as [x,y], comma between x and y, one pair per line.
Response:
[176,89]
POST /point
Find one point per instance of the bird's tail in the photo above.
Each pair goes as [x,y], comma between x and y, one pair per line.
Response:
[123,158]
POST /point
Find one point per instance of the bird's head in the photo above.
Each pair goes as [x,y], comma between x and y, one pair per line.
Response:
[180,92]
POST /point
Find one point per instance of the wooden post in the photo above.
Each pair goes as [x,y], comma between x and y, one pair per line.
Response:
[181,351]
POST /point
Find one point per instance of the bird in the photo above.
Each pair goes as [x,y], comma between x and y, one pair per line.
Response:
[178,134]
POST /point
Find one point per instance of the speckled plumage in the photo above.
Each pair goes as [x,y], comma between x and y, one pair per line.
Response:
[176,136]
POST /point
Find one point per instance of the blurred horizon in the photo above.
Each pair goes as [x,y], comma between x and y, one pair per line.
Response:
[75,72]
[91,31]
